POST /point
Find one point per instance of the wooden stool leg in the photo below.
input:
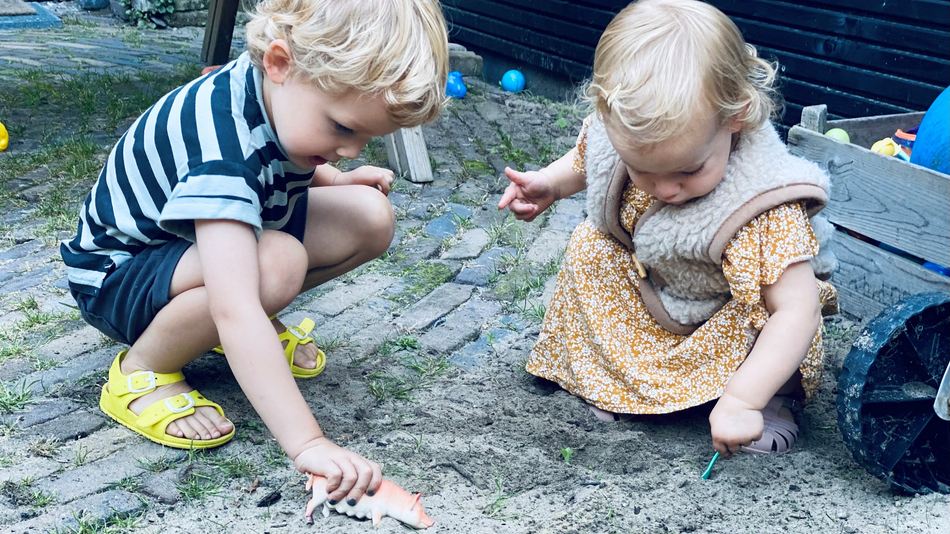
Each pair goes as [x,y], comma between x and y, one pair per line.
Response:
[407,154]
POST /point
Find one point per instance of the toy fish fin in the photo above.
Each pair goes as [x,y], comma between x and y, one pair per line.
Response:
[377,518]
[326,510]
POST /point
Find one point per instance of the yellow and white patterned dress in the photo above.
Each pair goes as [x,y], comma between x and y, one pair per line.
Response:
[599,342]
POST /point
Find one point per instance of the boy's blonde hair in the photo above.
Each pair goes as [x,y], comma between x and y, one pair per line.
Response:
[394,48]
[659,62]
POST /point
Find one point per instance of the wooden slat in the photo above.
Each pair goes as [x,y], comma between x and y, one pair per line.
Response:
[865,131]
[897,203]
[883,32]
[831,47]
[515,34]
[594,18]
[528,21]
[933,13]
[843,103]
[899,91]
[869,279]
[575,69]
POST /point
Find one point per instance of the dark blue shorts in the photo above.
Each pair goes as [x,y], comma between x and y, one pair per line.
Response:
[132,295]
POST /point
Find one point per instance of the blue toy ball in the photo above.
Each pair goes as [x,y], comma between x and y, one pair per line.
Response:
[512,81]
[932,147]
[454,86]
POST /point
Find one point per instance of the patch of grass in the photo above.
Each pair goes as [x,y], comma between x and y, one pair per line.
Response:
[197,487]
[422,278]
[6,460]
[274,456]
[414,370]
[507,232]
[510,153]
[116,524]
[45,447]
[474,168]
[566,454]
[375,152]
[132,484]
[498,502]
[330,344]
[80,455]
[156,465]
[391,346]
[233,466]
[24,493]
[15,397]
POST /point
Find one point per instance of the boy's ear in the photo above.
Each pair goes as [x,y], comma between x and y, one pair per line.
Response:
[277,61]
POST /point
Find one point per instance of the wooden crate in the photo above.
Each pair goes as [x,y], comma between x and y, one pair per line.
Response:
[882,198]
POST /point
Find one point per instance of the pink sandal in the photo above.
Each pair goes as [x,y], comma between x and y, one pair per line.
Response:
[779,433]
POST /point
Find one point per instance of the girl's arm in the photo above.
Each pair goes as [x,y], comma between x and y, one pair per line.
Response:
[795,315]
[532,192]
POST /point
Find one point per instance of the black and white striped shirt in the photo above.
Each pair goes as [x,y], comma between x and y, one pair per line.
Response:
[204,151]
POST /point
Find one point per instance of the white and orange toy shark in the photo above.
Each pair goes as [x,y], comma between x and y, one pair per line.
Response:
[389,500]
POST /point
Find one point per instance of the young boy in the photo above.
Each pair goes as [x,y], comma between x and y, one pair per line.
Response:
[210,215]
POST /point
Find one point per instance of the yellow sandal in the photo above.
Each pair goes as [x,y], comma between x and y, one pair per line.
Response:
[122,389]
[294,336]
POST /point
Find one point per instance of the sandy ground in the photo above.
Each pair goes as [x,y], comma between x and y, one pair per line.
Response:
[484,446]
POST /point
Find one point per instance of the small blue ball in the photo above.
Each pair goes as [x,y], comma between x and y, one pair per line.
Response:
[512,81]
[455,87]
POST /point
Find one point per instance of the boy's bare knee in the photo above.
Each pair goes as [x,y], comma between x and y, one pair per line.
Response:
[379,224]
[283,265]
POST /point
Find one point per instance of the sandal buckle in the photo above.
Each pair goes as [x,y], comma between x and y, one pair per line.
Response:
[297,332]
[189,403]
[150,381]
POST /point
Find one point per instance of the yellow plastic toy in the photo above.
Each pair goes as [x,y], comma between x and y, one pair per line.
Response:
[889,147]
[4,138]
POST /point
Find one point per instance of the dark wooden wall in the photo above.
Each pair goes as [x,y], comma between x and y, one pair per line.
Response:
[861,57]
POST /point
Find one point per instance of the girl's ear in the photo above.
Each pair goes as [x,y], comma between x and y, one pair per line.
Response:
[278,63]
[735,124]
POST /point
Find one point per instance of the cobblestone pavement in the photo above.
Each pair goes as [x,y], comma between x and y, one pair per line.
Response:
[426,348]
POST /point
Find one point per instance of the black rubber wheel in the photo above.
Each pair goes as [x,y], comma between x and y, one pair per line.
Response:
[886,395]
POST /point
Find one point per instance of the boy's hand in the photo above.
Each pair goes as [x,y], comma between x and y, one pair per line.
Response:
[348,474]
[734,423]
[528,194]
[377,177]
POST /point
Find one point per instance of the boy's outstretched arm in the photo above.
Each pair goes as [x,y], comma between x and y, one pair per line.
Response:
[794,317]
[229,262]
[532,192]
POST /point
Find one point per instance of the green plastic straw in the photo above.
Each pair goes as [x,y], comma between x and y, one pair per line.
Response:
[708,472]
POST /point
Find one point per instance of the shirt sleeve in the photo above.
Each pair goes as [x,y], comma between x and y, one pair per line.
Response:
[580,152]
[213,190]
[761,251]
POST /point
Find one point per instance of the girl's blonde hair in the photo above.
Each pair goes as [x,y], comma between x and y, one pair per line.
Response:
[659,62]
[394,48]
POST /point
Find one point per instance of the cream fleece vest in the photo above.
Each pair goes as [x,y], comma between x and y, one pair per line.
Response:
[681,246]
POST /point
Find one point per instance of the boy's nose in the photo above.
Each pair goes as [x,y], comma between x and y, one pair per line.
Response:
[350,151]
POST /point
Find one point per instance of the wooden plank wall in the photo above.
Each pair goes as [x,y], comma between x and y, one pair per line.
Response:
[860,57]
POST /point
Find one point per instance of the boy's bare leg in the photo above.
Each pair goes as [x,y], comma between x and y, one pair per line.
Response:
[346,227]
[183,329]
